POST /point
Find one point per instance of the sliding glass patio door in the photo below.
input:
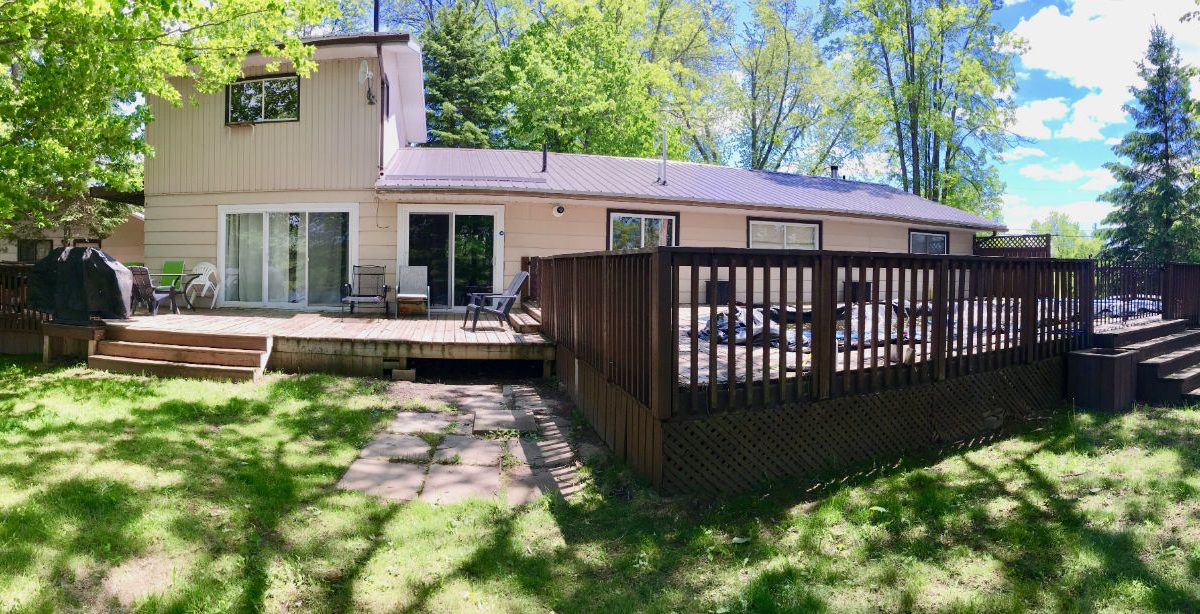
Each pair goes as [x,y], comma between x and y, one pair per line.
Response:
[284,258]
[461,250]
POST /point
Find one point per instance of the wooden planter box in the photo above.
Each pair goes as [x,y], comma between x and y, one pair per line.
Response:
[1103,379]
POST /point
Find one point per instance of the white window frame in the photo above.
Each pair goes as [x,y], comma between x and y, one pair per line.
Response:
[674,219]
[262,107]
[816,226]
[928,233]
[226,210]
[496,211]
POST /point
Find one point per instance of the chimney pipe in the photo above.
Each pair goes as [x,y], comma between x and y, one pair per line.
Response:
[662,179]
[545,155]
[376,23]
[833,171]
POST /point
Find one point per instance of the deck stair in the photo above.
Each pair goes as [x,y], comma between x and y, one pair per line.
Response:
[523,321]
[232,357]
[1168,369]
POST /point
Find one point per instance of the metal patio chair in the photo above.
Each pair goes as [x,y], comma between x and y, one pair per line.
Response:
[412,286]
[145,292]
[496,304]
[368,286]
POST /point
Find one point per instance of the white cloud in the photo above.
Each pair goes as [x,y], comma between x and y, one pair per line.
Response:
[1019,214]
[1031,117]
[1020,153]
[1112,141]
[1096,179]
[1096,46]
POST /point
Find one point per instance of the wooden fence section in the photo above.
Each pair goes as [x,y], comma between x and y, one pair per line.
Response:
[20,326]
[533,266]
[1181,292]
[643,348]
[1127,291]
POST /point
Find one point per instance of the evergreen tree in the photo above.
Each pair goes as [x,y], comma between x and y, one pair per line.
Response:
[1156,198]
[462,78]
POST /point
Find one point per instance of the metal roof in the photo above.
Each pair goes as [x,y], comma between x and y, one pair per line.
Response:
[495,170]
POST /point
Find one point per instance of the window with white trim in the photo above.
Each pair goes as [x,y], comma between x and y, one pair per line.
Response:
[936,243]
[637,230]
[269,99]
[769,234]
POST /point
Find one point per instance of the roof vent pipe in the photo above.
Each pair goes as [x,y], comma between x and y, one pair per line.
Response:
[833,171]
[545,155]
[662,174]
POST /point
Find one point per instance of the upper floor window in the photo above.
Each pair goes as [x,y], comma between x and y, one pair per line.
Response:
[923,242]
[634,230]
[774,234]
[32,250]
[266,99]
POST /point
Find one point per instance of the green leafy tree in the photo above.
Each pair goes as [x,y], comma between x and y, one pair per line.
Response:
[463,78]
[792,109]
[943,76]
[75,76]
[1157,213]
[575,83]
[1067,239]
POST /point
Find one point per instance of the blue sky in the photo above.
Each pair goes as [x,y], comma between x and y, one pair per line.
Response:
[1072,82]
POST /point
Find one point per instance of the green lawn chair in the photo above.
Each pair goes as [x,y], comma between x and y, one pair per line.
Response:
[172,270]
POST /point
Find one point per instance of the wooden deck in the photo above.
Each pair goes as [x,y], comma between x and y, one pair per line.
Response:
[362,345]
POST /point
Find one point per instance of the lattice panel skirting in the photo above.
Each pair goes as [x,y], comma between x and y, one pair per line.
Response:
[733,452]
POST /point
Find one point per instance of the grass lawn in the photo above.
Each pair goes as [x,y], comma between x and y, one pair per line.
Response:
[191,496]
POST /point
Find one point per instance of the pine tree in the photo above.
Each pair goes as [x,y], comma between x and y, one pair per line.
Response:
[462,78]
[1157,215]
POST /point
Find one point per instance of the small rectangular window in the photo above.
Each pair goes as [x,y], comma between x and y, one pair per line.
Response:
[936,243]
[269,99]
[771,234]
[630,230]
[32,250]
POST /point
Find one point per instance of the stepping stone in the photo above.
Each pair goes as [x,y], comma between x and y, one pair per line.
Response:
[524,485]
[451,483]
[422,422]
[477,398]
[557,425]
[550,452]
[381,478]
[469,451]
[404,447]
[504,420]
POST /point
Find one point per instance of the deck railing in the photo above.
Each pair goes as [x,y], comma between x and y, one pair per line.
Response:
[806,325]
[1128,291]
[15,314]
[532,265]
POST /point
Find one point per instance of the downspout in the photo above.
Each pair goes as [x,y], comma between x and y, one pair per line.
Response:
[384,101]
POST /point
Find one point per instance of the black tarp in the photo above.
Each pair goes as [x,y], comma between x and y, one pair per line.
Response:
[74,283]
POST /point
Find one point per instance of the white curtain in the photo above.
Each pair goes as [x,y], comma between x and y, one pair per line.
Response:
[243,257]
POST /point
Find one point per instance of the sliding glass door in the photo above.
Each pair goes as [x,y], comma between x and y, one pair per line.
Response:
[461,251]
[286,258]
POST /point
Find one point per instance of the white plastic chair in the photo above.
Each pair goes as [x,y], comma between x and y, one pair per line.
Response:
[207,282]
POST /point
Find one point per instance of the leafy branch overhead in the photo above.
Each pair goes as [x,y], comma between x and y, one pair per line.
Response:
[72,97]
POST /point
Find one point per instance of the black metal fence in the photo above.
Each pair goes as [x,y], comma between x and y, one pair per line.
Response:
[1127,291]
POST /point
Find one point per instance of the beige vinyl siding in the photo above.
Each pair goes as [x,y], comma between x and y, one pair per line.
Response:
[334,145]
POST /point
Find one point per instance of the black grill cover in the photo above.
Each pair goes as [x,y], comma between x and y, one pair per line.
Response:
[74,283]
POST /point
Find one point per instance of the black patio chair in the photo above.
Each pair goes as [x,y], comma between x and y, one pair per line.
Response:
[150,295]
[368,287]
[496,304]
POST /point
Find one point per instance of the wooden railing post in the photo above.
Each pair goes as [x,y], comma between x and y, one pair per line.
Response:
[1169,309]
[824,345]
[1087,302]
[1029,312]
[663,365]
[941,324]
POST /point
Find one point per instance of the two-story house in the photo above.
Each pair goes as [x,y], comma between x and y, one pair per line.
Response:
[284,183]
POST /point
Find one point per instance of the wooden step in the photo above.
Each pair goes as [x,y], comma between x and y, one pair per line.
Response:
[523,322]
[184,353]
[1124,337]
[163,368]
[1166,344]
[534,311]
[205,340]
[1171,388]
